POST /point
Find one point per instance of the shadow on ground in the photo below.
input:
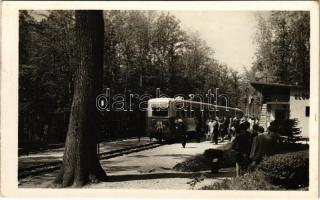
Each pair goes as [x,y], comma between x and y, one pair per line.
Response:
[132,177]
[45,180]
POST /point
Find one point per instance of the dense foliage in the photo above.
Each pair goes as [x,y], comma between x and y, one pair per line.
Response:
[200,162]
[277,172]
[194,164]
[290,170]
[289,129]
[45,75]
[283,52]
[144,50]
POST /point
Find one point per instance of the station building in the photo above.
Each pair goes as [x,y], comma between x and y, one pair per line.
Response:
[282,102]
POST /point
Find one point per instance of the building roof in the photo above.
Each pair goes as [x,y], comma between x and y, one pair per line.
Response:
[260,85]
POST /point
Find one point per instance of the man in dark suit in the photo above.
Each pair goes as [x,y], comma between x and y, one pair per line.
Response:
[242,147]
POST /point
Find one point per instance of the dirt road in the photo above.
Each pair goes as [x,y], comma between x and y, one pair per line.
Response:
[150,169]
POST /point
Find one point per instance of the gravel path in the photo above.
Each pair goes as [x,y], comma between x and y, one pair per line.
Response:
[150,169]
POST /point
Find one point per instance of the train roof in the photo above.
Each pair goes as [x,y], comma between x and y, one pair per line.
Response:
[167,100]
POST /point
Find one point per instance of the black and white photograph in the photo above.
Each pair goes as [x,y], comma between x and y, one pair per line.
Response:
[164,99]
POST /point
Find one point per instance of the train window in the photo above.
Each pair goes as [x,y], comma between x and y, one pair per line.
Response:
[160,112]
[179,114]
[191,113]
[307,111]
[185,113]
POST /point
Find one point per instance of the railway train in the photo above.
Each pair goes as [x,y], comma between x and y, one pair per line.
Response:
[165,112]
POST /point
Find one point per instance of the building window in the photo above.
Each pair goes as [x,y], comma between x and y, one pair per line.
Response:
[307,111]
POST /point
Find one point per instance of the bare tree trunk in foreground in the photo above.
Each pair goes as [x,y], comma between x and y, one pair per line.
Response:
[80,161]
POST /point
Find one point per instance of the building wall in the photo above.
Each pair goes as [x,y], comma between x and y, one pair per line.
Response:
[299,100]
[271,111]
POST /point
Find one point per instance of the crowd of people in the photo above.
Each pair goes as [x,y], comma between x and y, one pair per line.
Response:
[249,141]
[219,129]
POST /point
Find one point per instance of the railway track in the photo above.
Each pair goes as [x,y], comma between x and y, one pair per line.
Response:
[51,166]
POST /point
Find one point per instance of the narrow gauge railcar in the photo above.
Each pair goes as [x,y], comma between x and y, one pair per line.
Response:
[164,113]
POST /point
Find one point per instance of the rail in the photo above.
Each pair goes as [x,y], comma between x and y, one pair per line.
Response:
[52,166]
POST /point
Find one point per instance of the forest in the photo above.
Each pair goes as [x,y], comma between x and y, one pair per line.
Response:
[143,50]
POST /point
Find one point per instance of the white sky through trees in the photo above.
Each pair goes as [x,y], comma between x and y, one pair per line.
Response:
[229,33]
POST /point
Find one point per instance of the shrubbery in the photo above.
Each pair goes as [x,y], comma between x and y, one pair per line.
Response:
[203,161]
[277,172]
[193,164]
[280,171]
[290,170]
[289,128]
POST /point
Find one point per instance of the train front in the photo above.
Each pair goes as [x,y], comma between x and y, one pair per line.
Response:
[160,120]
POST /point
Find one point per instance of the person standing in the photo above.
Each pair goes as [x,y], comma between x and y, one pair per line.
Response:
[242,147]
[273,133]
[206,129]
[159,126]
[222,128]
[182,132]
[227,128]
[260,147]
[216,131]
[251,122]
[210,126]
[236,125]
[254,132]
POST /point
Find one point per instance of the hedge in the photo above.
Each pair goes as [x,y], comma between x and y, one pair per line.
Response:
[289,170]
[194,164]
[204,161]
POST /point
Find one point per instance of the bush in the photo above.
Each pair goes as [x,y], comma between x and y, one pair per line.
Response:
[289,128]
[290,170]
[251,181]
[193,164]
[203,161]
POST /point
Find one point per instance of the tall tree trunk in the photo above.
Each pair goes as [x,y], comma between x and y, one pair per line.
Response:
[80,161]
